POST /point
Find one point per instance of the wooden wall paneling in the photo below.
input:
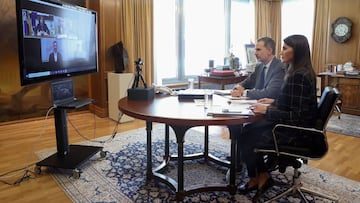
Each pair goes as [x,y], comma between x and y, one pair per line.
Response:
[94,86]
[348,51]
[109,29]
[109,34]
[111,37]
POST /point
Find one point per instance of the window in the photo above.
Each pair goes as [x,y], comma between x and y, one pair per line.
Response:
[165,39]
[295,21]
[204,34]
[242,27]
[189,33]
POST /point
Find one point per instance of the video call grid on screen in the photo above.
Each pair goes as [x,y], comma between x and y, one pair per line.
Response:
[73,31]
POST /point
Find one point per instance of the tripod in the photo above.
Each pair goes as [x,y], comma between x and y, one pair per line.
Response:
[138,75]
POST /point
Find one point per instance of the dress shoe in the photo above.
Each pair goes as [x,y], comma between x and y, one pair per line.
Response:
[244,189]
[268,184]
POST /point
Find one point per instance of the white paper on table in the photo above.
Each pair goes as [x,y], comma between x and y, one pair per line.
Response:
[243,101]
[236,98]
[223,92]
[232,110]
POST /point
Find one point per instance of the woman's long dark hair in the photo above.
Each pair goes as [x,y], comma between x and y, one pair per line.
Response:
[302,59]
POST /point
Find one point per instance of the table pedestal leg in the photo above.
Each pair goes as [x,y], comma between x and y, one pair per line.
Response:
[178,186]
[180,134]
[148,150]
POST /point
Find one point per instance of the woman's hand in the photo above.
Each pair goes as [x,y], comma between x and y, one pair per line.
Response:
[266,101]
[259,108]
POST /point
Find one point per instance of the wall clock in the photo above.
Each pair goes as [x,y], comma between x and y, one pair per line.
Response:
[341,29]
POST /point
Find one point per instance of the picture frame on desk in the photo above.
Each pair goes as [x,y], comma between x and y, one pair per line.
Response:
[250,53]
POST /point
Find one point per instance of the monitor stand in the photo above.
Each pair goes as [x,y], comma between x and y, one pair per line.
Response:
[67,156]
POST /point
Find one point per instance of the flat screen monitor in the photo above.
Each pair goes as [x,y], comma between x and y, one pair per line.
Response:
[55,40]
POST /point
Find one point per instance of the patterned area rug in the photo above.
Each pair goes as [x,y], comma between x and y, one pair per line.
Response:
[120,176]
[346,125]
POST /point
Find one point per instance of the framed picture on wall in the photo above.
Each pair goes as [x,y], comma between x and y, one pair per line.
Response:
[250,53]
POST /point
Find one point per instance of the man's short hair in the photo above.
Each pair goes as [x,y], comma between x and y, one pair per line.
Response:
[268,43]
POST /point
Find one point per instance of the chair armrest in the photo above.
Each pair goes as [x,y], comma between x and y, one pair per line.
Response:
[297,128]
[302,131]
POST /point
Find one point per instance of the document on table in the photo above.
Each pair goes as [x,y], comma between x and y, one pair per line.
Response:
[223,92]
[236,98]
[243,101]
[231,110]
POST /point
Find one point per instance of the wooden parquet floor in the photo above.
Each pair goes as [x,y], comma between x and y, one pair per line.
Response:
[19,142]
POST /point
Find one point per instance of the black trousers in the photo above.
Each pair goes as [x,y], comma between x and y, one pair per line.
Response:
[255,135]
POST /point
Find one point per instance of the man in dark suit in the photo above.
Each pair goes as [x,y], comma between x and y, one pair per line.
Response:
[55,58]
[266,80]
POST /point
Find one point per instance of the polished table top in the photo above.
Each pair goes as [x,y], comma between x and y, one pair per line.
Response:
[172,111]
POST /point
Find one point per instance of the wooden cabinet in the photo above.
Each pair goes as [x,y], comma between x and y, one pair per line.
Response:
[349,87]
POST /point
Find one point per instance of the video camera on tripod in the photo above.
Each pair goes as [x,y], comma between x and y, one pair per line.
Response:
[138,75]
[139,62]
[140,93]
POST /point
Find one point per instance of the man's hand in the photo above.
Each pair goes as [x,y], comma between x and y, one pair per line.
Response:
[237,91]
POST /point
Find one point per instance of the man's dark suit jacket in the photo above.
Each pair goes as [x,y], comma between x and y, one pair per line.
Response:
[55,64]
[273,81]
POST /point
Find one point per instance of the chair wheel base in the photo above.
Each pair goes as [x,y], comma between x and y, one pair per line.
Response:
[298,189]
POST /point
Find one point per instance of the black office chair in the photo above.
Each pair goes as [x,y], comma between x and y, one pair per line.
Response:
[295,155]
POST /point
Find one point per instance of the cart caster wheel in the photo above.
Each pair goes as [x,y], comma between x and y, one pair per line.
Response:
[102,154]
[37,169]
[76,174]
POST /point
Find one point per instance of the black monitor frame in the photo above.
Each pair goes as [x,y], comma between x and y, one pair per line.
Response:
[73,28]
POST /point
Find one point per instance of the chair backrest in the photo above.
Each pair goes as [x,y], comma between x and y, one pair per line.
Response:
[312,142]
[326,106]
[319,147]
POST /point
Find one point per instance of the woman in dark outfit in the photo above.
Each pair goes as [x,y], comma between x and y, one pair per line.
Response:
[296,105]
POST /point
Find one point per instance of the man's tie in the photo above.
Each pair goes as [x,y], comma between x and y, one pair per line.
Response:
[261,83]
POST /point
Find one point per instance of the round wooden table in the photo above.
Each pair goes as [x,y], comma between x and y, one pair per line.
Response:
[182,115]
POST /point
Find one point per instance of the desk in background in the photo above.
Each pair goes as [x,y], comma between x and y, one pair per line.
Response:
[220,80]
[349,87]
